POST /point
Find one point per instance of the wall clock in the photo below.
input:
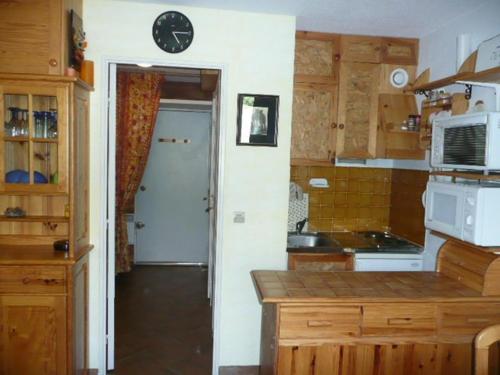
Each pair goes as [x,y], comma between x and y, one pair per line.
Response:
[173,32]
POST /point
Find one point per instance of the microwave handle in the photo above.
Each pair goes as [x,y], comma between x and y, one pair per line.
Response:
[424,194]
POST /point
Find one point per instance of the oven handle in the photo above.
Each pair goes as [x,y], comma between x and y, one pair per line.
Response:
[424,195]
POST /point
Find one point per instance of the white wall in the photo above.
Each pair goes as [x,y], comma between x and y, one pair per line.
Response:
[257,53]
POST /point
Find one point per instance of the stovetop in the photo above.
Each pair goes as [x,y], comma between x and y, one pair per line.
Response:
[384,242]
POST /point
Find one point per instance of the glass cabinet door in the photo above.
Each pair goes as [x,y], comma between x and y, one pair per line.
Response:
[31,139]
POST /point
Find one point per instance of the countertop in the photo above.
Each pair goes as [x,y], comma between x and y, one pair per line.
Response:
[348,241]
[359,287]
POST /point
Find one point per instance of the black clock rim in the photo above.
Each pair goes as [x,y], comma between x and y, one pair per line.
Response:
[153,31]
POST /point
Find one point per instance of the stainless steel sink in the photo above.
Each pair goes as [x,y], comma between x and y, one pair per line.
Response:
[310,240]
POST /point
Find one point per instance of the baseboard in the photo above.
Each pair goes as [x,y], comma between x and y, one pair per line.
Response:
[239,370]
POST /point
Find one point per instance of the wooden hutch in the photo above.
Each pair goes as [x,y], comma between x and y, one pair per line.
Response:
[44,171]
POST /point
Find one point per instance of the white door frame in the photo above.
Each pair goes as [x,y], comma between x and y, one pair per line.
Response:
[106,270]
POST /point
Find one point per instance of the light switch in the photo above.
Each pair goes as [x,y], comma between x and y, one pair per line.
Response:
[239,217]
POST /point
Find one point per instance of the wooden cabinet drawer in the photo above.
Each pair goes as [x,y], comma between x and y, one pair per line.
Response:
[467,319]
[398,320]
[32,279]
[319,321]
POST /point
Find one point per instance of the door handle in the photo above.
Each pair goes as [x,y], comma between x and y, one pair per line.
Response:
[139,225]
[142,188]
[208,209]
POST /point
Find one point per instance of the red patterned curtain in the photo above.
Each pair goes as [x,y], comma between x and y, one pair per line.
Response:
[137,108]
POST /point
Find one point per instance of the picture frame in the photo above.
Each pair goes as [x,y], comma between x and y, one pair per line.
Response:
[257,120]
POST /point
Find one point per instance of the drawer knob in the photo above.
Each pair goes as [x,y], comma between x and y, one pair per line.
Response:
[53,62]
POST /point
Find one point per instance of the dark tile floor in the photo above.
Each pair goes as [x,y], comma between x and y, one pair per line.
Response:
[163,322]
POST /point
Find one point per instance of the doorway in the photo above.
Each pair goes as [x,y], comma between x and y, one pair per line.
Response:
[171,204]
[173,232]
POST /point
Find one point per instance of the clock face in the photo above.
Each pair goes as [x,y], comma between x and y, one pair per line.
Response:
[173,32]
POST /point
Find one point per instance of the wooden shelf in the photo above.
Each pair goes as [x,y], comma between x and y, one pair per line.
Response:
[468,175]
[488,75]
[33,219]
[45,140]
[15,139]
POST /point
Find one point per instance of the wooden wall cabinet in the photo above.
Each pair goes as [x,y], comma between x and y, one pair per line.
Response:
[338,79]
[357,110]
[315,98]
[34,35]
[43,292]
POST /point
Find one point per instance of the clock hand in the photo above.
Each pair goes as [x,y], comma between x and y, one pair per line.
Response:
[181,32]
[175,36]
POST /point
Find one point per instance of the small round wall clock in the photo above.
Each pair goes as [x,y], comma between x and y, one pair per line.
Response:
[173,32]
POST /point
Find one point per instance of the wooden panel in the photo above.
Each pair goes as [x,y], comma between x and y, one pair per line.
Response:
[34,279]
[399,320]
[316,57]
[471,266]
[357,113]
[467,319]
[80,315]
[319,321]
[320,262]
[269,339]
[314,108]
[358,48]
[44,228]
[407,359]
[34,335]
[31,36]
[406,196]
[79,207]
[400,51]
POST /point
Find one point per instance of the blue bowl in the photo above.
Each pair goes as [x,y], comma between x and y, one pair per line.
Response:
[18,176]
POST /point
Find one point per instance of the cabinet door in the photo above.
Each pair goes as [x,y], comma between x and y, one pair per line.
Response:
[357,110]
[80,314]
[316,57]
[33,335]
[33,134]
[313,125]
[31,36]
[357,48]
[400,51]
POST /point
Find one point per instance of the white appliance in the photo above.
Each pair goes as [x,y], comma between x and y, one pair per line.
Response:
[468,211]
[388,262]
[467,141]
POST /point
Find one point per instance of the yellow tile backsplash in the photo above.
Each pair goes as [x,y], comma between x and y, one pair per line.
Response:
[357,199]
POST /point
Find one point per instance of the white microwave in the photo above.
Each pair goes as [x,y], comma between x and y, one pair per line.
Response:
[467,211]
[468,141]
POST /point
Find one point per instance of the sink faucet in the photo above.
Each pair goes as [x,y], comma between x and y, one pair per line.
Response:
[300,225]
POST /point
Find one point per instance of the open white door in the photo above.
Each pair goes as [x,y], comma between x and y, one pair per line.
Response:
[110,311]
[212,193]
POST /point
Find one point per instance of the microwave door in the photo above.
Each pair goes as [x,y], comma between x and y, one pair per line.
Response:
[444,210]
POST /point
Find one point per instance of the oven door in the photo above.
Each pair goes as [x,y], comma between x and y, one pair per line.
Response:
[444,206]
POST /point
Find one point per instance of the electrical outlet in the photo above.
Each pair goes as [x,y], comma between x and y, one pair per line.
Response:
[239,217]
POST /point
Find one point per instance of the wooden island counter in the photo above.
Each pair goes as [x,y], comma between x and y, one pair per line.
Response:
[328,323]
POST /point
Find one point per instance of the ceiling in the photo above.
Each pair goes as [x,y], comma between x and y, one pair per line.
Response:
[410,18]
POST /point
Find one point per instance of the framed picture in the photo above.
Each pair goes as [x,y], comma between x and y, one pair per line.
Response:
[257,120]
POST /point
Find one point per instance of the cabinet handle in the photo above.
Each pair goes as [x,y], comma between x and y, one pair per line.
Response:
[329,154]
[398,321]
[341,126]
[478,320]
[334,125]
[319,323]
[53,62]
